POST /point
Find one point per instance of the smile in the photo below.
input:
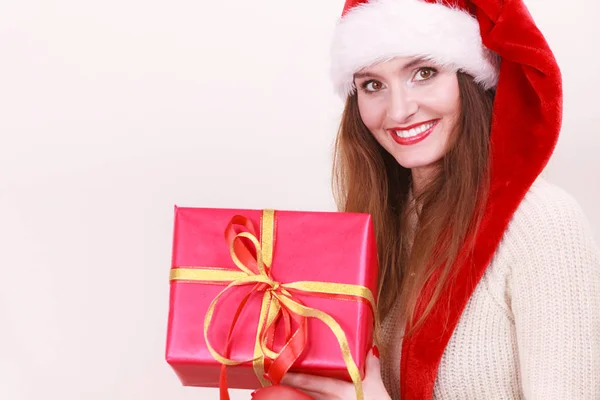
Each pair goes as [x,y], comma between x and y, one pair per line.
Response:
[413,134]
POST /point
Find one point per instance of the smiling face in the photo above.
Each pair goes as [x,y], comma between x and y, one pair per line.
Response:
[411,107]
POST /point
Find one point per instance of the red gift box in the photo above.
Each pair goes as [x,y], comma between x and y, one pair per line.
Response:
[312,260]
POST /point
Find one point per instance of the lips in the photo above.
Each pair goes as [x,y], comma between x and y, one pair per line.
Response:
[414,133]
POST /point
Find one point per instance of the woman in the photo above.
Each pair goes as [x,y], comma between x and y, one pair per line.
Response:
[490,277]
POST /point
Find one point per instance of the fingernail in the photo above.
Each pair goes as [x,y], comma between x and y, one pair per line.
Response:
[375,351]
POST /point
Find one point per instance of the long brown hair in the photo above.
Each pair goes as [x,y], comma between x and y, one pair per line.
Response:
[367,179]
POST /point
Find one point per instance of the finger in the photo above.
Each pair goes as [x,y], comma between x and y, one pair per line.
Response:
[320,396]
[373,382]
[297,394]
[373,364]
[280,392]
[315,395]
[313,383]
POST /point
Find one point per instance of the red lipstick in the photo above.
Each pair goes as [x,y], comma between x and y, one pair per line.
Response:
[407,141]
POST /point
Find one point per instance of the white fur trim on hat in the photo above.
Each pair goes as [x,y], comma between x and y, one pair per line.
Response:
[383,29]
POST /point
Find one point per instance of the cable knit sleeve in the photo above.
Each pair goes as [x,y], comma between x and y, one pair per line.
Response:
[555,298]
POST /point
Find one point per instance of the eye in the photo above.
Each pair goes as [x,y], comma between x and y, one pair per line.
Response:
[425,73]
[371,85]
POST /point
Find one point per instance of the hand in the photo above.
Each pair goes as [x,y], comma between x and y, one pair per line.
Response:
[321,388]
[279,392]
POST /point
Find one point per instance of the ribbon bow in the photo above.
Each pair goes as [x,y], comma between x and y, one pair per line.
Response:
[278,302]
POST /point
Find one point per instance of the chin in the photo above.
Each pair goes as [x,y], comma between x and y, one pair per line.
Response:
[416,163]
[424,154]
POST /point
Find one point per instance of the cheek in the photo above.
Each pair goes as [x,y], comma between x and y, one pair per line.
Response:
[447,99]
[442,97]
[371,112]
[451,106]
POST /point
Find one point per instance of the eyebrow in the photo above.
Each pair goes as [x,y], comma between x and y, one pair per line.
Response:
[408,65]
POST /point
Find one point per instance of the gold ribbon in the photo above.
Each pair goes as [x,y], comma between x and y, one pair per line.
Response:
[275,296]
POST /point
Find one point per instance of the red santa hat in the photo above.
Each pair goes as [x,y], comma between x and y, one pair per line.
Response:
[378,30]
[498,43]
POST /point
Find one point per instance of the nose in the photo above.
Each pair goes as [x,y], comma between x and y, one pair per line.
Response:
[401,105]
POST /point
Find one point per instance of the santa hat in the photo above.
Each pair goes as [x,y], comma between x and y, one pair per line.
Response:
[498,43]
[378,30]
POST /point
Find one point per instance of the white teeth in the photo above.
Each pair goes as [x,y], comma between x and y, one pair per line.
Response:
[415,131]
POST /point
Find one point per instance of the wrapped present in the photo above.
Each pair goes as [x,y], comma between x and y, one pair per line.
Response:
[257,293]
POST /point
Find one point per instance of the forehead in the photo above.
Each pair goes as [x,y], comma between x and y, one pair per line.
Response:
[394,64]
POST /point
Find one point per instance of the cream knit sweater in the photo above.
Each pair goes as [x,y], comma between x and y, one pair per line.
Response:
[531,329]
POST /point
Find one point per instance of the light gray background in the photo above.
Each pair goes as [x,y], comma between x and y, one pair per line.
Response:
[113,111]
